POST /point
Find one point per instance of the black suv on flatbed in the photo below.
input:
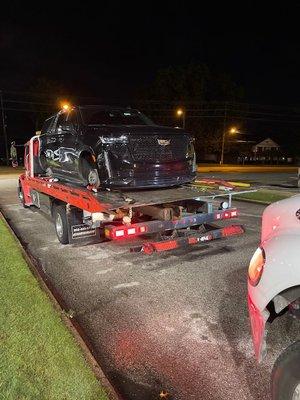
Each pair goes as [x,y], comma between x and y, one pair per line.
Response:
[115,147]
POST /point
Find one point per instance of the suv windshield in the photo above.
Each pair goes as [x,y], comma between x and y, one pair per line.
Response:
[100,116]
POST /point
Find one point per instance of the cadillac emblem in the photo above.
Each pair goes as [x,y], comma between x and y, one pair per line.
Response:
[164,142]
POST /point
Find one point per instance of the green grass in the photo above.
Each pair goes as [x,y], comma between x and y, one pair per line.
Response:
[263,196]
[39,358]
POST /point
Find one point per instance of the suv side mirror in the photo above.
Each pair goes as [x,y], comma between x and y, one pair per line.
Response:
[67,127]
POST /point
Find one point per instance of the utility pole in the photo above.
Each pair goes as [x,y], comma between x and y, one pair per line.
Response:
[4,128]
[183,119]
[224,134]
[181,113]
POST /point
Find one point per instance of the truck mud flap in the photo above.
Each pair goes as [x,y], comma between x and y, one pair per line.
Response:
[80,233]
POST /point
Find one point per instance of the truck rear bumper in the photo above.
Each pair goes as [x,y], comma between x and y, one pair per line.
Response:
[185,241]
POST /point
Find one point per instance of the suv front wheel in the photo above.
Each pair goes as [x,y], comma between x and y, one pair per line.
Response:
[89,173]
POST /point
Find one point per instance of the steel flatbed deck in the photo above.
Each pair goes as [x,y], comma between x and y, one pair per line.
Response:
[105,200]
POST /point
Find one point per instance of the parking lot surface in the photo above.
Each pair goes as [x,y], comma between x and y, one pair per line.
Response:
[175,321]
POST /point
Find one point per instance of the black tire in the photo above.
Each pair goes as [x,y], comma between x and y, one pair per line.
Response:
[89,173]
[21,195]
[61,223]
[285,382]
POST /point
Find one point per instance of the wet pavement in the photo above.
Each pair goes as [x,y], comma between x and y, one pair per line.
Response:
[174,322]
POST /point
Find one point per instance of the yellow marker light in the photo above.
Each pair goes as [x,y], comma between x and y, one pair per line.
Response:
[233,130]
[256,266]
[179,112]
[66,107]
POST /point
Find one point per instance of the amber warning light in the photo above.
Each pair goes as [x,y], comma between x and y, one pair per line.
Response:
[256,266]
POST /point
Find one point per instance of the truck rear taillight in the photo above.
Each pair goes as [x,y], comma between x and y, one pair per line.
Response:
[226,214]
[123,231]
[256,266]
[119,233]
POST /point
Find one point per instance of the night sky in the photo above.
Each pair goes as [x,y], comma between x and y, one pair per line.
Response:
[110,50]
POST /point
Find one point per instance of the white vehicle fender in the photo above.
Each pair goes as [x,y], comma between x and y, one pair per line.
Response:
[281,272]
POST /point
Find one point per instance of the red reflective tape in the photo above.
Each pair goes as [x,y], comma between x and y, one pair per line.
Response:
[258,322]
[232,230]
[148,248]
[36,147]
[119,233]
[163,246]
[193,240]
[123,231]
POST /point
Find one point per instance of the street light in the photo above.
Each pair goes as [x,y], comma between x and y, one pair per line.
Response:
[65,106]
[232,131]
[181,114]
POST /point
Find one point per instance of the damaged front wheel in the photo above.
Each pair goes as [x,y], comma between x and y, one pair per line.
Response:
[89,173]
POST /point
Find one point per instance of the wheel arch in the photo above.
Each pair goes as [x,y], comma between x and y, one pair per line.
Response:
[280,280]
[85,154]
[285,298]
[86,151]
[55,203]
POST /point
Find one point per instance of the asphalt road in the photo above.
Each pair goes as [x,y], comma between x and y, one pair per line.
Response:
[176,321]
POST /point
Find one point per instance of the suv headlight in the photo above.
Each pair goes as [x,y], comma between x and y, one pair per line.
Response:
[112,140]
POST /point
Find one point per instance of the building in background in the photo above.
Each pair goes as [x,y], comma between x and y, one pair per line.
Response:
[266,151]
[267,145]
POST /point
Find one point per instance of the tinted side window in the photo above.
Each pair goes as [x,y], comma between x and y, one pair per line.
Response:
[47,126]
[72,118]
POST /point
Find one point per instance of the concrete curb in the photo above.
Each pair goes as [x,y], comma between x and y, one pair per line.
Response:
[71,324]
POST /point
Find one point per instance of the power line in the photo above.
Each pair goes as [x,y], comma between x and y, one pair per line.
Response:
[27,102]
[23,110]
[247,111]
[222,110]
[233,117]
[136,101]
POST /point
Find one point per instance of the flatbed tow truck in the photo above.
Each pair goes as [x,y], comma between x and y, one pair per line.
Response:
[167,218]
